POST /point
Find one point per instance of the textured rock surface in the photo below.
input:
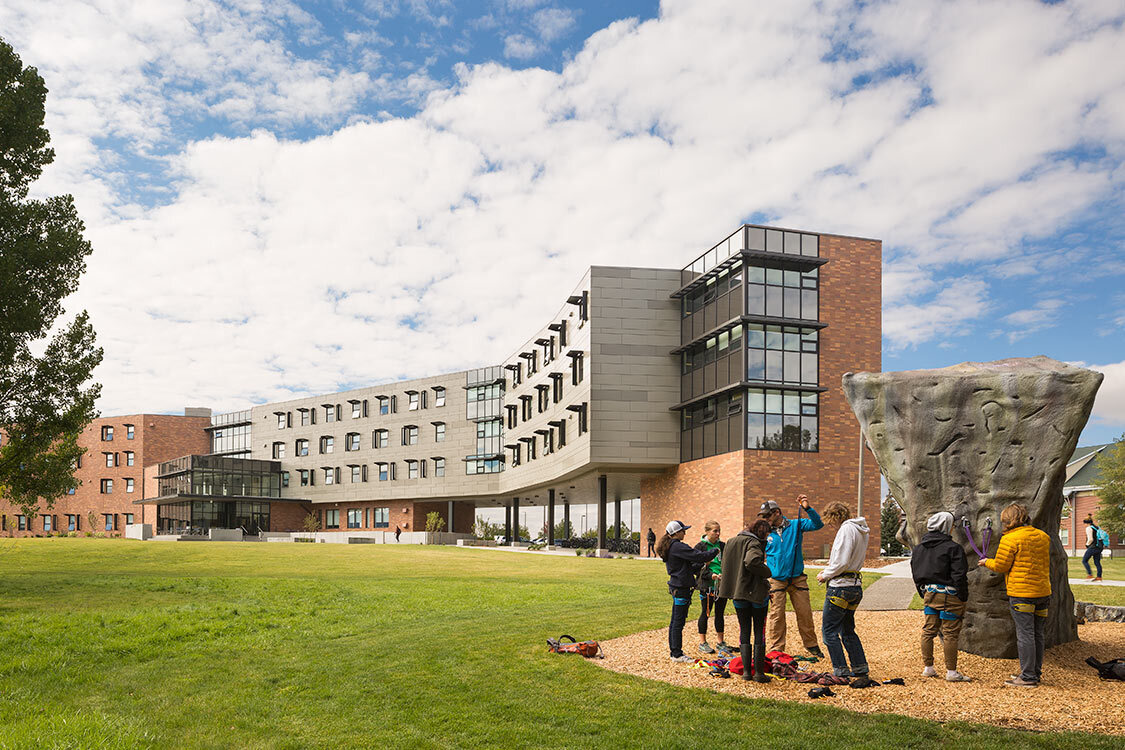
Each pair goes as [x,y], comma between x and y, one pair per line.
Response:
[1088,612]
[971,439]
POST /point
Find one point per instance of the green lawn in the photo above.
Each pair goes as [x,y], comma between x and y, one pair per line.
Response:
[1113,569]
[107,643]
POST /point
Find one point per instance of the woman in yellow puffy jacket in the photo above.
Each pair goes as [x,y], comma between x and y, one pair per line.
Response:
[1024,555]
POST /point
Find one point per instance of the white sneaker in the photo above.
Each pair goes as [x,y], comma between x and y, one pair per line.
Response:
[929,672]
[683,659]
[953,675]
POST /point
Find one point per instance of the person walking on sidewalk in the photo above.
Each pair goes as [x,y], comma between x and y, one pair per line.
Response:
[682,563]
[651,542]
[1093,549]
[844,592]
[941,575]
[786,562]
[745,581]
[708,585]
[1024,556]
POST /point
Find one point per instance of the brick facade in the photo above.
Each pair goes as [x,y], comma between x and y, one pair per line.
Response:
[156,438]
[730,487]
[1073,531]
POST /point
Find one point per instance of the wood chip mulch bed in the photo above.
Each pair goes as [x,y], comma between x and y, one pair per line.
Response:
[1071,697]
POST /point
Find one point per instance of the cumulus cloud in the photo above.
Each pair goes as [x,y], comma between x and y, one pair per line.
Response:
[553,23]
[1109,406]
[520,47]
[409,246]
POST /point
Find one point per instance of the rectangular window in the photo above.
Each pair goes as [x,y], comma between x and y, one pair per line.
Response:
[556,387]
[48,523]
[439,396]
[331,519]
[128,458]
[107,521]
[107,486]
[410,435]
[306,416]
[129,484]
[381,518]
[562,432]
[439,467]
[281,420]
[412,404]
[279,450]
[357,474]
[72,522]
[304,477]
[302,447]
[285,479]
[329,413]
[355,518]
[439,432]
[384,404]
[357,411]
[351,441]
[379,438]
[107,433]
[22,522]
[329,475]
[327,444]
[128,518]
[411,469]
[130,432]
[108,460]
[515,448]
[782,420]
[384,471]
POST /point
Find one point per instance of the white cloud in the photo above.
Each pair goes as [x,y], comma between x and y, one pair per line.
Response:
[417,245]
[553,23]
[1109,406]
[1027,321]
[520,47]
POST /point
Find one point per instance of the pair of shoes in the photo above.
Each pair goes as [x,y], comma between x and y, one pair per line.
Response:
[724,647]
[683,659]
[929,672]
[1019,682]
[821,692]
[953,675]
[719,672]
[815,651]
[1097,579]
[706,648]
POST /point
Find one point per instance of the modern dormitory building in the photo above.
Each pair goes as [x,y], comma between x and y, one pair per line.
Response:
[703,391]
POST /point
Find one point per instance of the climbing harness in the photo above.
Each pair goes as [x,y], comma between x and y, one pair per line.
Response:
[985,537]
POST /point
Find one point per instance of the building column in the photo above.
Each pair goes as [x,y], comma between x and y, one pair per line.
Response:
[617,519]
[551,517]
[515,522]
[602,483]
[449,517]
[508,522]
[566,517]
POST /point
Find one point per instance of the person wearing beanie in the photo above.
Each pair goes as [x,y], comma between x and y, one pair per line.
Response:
[844,591]
[745,581]
[683,564]
[941,575]
[1093,549]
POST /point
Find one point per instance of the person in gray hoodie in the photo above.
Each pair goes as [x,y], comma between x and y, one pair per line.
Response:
[745,581]
[941,576]
[844,592]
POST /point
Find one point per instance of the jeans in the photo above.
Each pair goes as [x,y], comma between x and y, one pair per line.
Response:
[1096,554]
[681,603]
[1030,617]
[838,629]
[717,606]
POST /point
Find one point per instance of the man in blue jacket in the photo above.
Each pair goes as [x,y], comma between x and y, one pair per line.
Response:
[786,562]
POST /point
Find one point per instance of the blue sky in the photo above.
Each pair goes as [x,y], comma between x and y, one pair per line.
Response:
[289,198]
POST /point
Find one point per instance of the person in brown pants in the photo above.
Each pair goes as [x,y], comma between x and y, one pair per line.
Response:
[941,575]
[786,562]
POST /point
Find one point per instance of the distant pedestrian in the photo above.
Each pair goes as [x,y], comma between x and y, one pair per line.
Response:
[398,533]
[1024,555]
[940,573]
[787,574]
[651,542]
[844,591]
[745,581]
[682,563]
[1093,549]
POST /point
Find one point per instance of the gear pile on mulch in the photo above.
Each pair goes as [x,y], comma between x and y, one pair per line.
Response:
[1071,697]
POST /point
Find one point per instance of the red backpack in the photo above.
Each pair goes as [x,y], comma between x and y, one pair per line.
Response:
[589,649]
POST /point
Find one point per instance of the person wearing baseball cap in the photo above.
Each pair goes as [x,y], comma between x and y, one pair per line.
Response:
[786,562]
[683,564]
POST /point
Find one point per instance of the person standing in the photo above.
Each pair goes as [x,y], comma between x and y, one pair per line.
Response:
[1093,549]
[398,533]
[745,581]
[1024,556]
[940,573]
[682,563]
[708,585]
[786,562]
[844,591]
[651,542]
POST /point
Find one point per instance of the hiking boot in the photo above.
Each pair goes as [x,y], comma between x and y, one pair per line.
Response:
[815,651]
[726,648]
[1019,682]
[929,672]
[683,659]
[705,648]
[952,675]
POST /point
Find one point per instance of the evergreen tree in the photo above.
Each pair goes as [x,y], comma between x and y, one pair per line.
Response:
[46,399]
[888,526]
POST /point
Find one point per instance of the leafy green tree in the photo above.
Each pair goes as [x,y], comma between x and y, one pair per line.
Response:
[561,529]
[483,529]
[312,523]
[47,399]
[434,522]
[888,526]
[1111,509]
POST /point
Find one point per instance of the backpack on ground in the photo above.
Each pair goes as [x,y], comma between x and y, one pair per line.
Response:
[1101,538]
[589,649]
[1109,670]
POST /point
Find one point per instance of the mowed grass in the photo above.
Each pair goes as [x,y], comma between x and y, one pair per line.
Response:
[1113,569]
[108,643]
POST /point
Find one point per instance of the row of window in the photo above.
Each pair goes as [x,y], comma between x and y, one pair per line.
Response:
[416,468]
[379,439]
[775,419]
[550,438]
[72,522]
[754,239]
[358,518]
[107,486]
[112,459]
[360,408]
[577,366]
[107,432]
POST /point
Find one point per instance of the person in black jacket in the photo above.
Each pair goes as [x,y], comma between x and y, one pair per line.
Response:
[651,542]
[941,574]
[683,564]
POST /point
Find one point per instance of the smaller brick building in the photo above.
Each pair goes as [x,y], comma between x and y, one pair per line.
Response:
[111,473]
[1083,483]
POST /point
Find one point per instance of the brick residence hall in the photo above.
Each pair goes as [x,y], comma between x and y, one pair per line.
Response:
[703,391]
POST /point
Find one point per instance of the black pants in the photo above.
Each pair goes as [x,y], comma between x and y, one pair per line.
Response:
[717,605]
[652,549]
[751,620]
[681,603]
